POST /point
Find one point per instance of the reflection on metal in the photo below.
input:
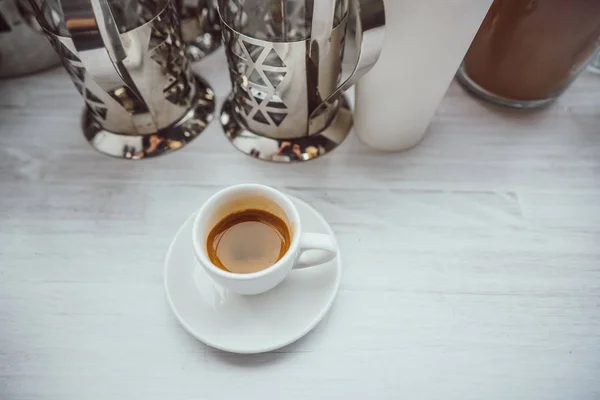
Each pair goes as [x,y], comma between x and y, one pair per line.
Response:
[285,59]
[23,47]
[127,60]
[200,27]
[164,141]
[287,150]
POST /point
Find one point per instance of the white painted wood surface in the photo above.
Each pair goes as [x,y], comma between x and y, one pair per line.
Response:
[472,263]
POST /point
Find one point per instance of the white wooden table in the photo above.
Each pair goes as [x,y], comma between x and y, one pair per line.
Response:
[472,263]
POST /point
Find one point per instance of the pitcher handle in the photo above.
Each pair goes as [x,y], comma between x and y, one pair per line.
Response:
[370,35]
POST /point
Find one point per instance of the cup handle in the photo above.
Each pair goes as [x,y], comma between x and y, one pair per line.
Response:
[316,241]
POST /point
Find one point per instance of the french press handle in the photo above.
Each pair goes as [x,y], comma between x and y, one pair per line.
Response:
[370,34]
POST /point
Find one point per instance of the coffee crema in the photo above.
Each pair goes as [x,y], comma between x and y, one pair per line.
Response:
[248,241]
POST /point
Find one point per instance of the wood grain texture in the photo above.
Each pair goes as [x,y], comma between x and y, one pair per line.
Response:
[472,263]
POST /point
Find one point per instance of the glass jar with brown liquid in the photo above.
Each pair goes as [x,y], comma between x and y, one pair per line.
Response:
[527,52]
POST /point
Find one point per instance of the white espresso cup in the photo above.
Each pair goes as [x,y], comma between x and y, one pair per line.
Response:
[252,196]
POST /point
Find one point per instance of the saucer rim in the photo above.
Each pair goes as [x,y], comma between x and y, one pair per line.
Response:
[309,327]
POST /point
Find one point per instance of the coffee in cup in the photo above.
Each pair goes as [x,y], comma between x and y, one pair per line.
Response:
[249,237]
[248,241]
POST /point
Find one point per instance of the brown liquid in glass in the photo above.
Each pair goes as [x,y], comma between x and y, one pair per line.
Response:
[248,241]
[529,49]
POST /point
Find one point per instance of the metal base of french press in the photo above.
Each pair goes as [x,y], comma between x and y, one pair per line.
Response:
[287,150]
[203,46]
[136,147]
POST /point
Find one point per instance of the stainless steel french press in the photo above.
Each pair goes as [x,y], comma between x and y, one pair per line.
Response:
[285,60]
[128,61]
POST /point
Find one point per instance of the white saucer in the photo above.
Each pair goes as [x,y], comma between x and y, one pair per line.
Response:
[250,324]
